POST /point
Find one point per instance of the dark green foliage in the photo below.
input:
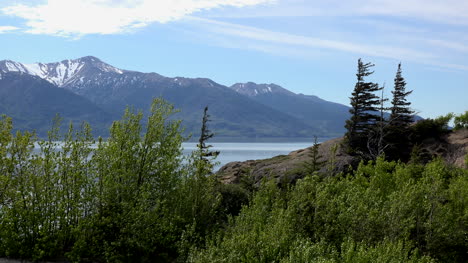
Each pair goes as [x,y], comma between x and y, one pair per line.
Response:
[313,164]
[363,110]
[233,197]
[430,128]
[401,116]
[205,155]
[461,121]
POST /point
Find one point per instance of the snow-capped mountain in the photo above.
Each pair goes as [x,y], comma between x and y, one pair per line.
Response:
[243,110]
[61,73]
[253,89]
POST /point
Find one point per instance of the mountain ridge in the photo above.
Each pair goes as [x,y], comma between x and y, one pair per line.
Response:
[235,113]
[326,116]
[58,73]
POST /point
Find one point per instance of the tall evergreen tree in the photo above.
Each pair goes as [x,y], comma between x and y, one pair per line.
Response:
[313,164]
[364,103]
[401,117]
[401,114]
[205,155]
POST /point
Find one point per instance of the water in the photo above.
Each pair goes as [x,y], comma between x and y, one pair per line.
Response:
[239,151]
[242,151]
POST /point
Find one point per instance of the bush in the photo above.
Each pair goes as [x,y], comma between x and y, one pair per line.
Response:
[132,198]
[135,199]
[383,212]
[430,128]
[461,121]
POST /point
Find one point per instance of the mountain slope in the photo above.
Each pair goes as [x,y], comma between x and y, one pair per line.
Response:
[112,89]
[33,102]
[232,114]
[326,117]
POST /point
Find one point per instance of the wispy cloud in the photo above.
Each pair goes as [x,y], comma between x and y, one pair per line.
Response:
[81,17]
[5,29]
[454,45]
[438,11]
[305,42]
[426,51]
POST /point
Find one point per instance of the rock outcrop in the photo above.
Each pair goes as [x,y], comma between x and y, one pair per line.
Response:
[452,147]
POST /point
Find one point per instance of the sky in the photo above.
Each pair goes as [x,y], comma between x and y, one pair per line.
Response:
[306,46]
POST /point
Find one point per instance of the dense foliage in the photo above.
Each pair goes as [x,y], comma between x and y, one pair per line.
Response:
[383,212]
[129,198]
[136,198]
[430,128]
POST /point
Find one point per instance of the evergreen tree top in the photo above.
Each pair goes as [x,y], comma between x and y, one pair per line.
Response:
[401,114]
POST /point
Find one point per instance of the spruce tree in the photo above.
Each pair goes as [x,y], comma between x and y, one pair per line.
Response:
[205,155]
[313,164]
[401,117]
[363,110]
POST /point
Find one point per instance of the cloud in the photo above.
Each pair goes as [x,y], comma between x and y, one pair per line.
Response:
[460,47]
[5,29]
[419,50]
[294,41]
[82,17]
[438,11]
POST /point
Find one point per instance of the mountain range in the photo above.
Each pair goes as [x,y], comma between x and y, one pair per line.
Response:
[88,89]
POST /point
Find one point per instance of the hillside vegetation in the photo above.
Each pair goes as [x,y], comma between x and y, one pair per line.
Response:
[135,198]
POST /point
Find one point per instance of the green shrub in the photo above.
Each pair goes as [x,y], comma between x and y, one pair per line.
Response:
[134,198]
[461,121]
[430,128]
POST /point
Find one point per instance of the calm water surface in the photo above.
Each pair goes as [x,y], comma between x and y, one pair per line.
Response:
[242,151]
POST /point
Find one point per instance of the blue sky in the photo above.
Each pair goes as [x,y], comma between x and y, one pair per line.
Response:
[306,46]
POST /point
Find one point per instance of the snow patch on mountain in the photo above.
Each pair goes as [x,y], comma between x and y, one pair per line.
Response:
[60,73]
[253,89]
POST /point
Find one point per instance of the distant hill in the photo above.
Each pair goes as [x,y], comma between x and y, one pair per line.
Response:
[236,112]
